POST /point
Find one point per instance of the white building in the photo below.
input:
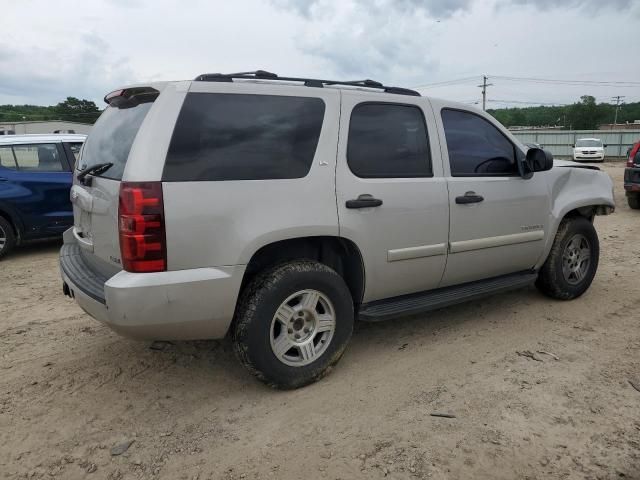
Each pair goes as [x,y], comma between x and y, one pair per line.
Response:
[45,126]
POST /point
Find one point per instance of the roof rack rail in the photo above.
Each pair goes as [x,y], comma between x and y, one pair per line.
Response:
[308,82]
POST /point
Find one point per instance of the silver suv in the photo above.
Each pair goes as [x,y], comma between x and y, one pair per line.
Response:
[278,210]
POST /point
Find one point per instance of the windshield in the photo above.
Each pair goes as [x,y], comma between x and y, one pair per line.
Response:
[111,139]
[588,143]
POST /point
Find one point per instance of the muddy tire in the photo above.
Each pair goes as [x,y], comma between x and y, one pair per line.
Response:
[572,262]
[293,323]
[634,201]
[7,237]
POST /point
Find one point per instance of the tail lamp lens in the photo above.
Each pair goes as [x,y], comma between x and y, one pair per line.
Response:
[141,227]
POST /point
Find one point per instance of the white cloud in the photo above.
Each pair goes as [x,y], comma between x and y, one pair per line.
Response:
[89,48]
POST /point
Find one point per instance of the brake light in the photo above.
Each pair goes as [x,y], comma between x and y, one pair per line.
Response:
[143,244]
[632,154]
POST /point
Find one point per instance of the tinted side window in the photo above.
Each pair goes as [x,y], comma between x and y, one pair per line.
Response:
[75,149]
[244,137]
[388,141]
[43,157]
[476,147]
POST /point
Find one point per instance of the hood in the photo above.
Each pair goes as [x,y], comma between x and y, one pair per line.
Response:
[567,163]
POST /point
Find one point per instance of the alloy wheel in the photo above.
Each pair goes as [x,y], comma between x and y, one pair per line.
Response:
[302,328]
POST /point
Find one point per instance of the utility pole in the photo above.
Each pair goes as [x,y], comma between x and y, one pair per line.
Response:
[617,99]
[484,91]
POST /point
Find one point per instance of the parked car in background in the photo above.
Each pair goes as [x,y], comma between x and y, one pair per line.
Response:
[589,149]
[632,177]
[279,210]
[35,181]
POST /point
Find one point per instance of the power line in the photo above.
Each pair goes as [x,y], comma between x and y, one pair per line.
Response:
[554,81]
[522,102]
[446,83]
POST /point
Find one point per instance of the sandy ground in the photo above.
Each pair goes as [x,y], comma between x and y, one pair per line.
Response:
[71,390]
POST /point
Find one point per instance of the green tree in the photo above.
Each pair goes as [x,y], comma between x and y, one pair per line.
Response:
[584,114]
[77,110]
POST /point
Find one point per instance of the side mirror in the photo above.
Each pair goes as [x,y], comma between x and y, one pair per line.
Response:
[536,160]
[573,145]
[605,145]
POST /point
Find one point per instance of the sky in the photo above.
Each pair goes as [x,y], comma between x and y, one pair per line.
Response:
[51,50]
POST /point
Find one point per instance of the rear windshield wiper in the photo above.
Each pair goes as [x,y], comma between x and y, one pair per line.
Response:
[94,170]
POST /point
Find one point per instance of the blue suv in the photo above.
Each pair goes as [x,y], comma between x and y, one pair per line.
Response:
[35,180]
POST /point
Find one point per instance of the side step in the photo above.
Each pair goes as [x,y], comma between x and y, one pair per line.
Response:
[442,297]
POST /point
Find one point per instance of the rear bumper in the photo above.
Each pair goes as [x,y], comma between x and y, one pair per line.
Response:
[179,305]
[632,180]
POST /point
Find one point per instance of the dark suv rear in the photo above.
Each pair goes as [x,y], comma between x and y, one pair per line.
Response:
[632,177]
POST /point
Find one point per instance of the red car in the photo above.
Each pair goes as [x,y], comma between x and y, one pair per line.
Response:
[632,177]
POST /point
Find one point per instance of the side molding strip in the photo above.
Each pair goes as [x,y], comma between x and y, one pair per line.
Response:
[416,252]
[502,240]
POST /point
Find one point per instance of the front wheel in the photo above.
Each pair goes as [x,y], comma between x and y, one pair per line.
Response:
[293,323]
[572,262]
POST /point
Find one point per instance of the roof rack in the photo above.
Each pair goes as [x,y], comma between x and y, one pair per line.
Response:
[308,82]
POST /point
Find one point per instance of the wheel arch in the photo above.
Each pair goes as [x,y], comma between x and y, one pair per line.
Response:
[339,253]
[588,210]
[13,220]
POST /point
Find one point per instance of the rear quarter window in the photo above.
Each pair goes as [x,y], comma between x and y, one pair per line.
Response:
[111,138]
[244,137]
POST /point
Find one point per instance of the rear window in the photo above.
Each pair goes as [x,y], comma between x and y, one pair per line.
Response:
[244,137]
[111,138]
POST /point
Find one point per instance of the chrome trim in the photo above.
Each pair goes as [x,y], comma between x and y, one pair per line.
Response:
[500,241]
[416,252]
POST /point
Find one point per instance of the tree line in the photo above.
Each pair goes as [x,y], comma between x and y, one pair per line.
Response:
[583,115]
[72,109]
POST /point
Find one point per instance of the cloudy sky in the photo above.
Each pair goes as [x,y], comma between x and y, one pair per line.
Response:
[51,50]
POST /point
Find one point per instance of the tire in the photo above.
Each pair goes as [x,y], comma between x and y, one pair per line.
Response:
[634,201]
[7,237]
[280,304]
[568,271]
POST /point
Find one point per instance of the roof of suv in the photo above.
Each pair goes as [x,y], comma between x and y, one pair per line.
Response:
[307,82]
[39,138]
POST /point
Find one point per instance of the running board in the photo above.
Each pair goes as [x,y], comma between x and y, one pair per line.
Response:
[442,297]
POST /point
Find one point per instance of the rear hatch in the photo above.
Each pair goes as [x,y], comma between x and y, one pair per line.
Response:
[95,198]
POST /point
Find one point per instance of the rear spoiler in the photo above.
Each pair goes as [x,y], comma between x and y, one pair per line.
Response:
[131,97]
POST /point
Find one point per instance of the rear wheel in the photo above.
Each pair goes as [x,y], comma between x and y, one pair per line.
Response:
[634,201]
[7,237]
[293,323]
[572,262]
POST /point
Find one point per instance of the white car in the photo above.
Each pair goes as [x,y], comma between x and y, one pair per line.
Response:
[589,149]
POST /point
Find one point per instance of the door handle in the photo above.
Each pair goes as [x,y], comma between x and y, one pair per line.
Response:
[364,201]
[469,197]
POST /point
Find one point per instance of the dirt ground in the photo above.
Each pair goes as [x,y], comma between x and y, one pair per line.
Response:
[73,394]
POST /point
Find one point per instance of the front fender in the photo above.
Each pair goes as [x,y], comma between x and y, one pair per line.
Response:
[578,189]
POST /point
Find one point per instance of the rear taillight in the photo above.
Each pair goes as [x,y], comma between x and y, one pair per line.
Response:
[632,155]
[143,244]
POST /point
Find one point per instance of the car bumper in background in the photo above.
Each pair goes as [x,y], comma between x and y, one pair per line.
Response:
[179,305]
[596,157]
